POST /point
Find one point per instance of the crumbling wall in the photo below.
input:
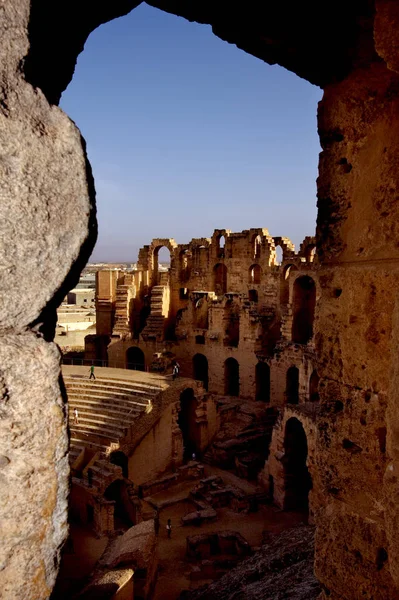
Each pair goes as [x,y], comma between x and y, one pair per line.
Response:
[49,231]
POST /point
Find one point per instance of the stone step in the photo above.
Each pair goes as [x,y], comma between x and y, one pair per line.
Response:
[111,382]
[96,424]
[81,443]
[107,407]
[104,388]
[86,432]
[112,417]
[108,401]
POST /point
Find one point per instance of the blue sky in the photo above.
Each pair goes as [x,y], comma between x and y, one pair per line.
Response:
[187,133]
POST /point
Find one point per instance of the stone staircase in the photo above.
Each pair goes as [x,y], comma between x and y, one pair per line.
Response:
[107,408]
[121,325]
[155,326]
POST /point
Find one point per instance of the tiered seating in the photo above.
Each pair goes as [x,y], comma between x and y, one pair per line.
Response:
[107,408]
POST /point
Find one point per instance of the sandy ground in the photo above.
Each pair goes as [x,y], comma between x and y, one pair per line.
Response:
[174,567]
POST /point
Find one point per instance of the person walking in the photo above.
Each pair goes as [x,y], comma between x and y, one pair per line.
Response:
[169,528]
[176,369]
[92,376]
[76,416]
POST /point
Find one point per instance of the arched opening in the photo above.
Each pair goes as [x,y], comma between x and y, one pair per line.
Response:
[231,377]
[221,246]
[120,459]
[303,307]
[279,255]
[310,253]
[285,283]
[135,359]
[200,339]
[200,369]
[188,423]
[255,274]
[161,265]
[314,387]
[292,386]
[262,379]
[297,480]
[184,267]
[253,295]
[200,313]
[257,246]
[220,279]
[231,319]
[124,511]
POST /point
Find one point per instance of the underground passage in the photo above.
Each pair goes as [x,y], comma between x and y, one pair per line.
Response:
[187,423]
[297,480]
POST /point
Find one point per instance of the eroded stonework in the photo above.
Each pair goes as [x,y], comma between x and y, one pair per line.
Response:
[351,50]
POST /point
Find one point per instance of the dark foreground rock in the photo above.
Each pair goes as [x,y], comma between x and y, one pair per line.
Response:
[281,570]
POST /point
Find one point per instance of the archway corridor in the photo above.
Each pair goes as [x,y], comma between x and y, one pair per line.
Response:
[188,424]
[297,480]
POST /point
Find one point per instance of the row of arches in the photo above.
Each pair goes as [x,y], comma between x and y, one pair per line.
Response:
[262,380]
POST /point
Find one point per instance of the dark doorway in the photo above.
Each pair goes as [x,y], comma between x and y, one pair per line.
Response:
[314,387]
[120,459]
[187,423]
[200,369]
[135,359]
[124,511]
[220,279]
[90,513]
[303,306]
[292,386]
[262,377]
[231,377]
[297,480]
[255,274]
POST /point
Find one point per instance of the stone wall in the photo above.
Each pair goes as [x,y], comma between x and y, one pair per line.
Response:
[351,50]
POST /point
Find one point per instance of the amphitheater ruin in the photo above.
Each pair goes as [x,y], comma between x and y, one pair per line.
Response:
[48,233]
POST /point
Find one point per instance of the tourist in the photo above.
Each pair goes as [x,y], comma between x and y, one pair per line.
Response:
[193,457]
[169,528]
[156,522]
[76,420]
[176,369]
[92,376]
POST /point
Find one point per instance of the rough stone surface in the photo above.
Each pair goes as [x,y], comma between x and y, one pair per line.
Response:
[281,570]
[351,49]
[135,547]
[33,481]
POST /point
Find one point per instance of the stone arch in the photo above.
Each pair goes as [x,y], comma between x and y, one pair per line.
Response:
[156,274]
[135,359]
[262,380]
[184,265]
[257,246]
[297,479]
[231,377]
[314,381]
[119,458]
[220,279]
[200,369]
[187,421]
[279,255]
[255,274]
[124,512]
[285,283]
[303,309]
[292,386]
